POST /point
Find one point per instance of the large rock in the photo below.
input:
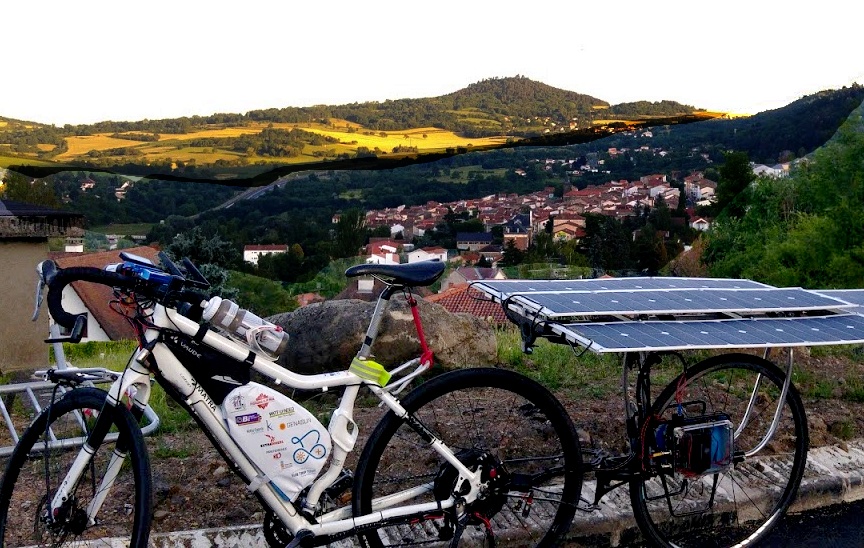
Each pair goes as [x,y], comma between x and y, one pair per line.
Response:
[326,336]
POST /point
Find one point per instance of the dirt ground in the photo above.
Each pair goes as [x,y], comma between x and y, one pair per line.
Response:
[193,487]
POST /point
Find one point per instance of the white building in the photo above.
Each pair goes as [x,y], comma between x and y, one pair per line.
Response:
[428,254]
[251,253]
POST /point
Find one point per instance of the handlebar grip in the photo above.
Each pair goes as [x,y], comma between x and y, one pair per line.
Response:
[64,277]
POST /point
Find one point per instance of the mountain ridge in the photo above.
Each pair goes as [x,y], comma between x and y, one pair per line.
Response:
[506,90]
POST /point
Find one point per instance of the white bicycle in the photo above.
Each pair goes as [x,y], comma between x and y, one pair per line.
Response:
[473,456]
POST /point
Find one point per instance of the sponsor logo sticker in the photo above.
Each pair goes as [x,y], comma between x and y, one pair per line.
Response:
[271,441]
[263,400]
[282,413]
[248,418]
[238,403]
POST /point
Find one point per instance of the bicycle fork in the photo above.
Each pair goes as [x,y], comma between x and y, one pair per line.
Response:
[134,381]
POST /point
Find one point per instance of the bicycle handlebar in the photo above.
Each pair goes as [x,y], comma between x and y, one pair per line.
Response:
[172,292]
[65,276]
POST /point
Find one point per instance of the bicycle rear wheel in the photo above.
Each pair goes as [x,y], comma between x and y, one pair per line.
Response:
[34,472]
[496,421]
[737,506]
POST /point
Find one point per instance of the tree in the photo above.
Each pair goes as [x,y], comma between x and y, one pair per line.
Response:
[211,254]
[660,216]
[649,249]
[18,188]
[512,255]
[202,249]
[735,177]
[350,234]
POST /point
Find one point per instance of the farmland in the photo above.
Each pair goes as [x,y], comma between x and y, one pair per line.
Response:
[346,139]
[490,113]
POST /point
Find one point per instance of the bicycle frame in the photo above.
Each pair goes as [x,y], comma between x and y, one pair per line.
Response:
[612,471]
[342,429]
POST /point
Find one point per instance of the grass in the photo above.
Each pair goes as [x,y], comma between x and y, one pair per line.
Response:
[8,161]
[129,229]
[559,368]
[844,429]
[114,355]
[201,155]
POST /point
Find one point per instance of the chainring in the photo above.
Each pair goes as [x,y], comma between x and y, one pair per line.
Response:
[493,475]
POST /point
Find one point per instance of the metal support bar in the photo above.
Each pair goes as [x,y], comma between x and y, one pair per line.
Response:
[30,392]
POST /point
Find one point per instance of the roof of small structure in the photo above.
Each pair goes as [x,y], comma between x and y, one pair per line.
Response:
[22,220]
[97,297]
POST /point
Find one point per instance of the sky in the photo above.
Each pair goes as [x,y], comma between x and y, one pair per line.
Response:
[88,61]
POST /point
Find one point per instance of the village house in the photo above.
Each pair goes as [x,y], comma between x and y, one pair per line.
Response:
[465,274]
[428,254]
[461,298]
[103,323]
[24,233]
[472,241]
[251,253]
[701,224]
[777,170]
[383,251]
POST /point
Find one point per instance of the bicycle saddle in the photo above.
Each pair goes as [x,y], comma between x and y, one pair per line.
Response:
[410,274]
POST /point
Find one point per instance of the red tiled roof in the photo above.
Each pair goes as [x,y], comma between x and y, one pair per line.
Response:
[462,298]
[96,297]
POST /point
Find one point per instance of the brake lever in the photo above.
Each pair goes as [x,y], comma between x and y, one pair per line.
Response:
[46,270]
[40,285]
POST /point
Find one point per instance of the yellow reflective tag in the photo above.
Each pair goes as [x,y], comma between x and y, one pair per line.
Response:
[369,370]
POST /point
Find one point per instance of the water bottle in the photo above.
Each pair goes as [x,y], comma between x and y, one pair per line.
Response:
[259,334]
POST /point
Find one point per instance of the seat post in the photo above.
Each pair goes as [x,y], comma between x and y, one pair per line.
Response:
[375,323]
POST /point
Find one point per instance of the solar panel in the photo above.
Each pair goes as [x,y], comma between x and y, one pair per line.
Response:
[655,313]
[854,296]
[501,289]
[676,301]
[732,333]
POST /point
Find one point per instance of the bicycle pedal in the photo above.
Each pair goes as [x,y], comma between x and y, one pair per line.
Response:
[340,490]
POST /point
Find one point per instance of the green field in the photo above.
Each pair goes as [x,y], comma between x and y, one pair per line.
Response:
[7,161]
[124,229]
[462,175]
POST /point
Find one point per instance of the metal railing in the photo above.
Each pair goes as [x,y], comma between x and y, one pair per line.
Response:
[35,394]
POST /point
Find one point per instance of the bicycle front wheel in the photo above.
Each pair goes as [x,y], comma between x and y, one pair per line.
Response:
[498,422]
[738,505]
[41,460]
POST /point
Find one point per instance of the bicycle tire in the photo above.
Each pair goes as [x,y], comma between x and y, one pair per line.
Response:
[26,486]
[751,496]
[489,418]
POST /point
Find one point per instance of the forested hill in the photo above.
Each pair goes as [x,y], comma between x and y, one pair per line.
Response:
[804,230]
[769,137]
[521,97]
[495,106]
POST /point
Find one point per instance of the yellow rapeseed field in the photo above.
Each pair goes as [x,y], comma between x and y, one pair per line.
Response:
[211,133]
[81,145]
